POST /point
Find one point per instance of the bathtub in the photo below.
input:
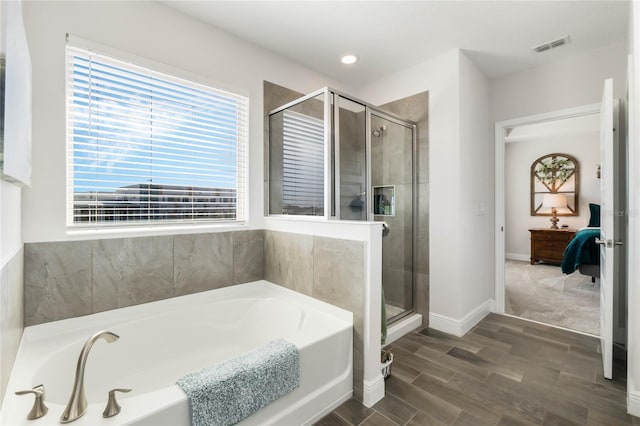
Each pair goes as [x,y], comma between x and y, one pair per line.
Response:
[162,341]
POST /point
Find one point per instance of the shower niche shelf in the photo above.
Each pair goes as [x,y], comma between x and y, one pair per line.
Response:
[384,197]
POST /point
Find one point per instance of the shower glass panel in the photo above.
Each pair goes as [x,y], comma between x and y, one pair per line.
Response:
[392,182]
[297,158]
[351,157]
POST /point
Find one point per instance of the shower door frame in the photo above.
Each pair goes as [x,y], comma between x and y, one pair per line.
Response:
[326,93]
[373,111]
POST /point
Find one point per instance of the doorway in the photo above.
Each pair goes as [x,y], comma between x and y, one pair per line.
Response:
[551,162]
[530,282]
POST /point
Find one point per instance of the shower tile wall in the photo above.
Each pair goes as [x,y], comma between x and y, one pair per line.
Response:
[328,269]
[416,108]
[74,278]
[11,315]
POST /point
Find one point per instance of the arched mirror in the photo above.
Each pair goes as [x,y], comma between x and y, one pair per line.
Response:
[554,185]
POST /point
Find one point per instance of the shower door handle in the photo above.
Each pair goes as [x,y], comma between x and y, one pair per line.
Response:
[385,228]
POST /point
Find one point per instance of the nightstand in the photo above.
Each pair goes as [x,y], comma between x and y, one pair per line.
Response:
[547,245]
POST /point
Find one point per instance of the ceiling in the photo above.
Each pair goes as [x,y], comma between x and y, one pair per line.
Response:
[589,123]
[389,36]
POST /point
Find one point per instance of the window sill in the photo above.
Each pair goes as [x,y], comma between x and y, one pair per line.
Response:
[90,232]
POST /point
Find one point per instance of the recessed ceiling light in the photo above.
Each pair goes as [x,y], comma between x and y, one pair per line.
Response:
[349,59]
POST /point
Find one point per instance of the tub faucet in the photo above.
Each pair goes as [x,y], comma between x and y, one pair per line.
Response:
[77,404]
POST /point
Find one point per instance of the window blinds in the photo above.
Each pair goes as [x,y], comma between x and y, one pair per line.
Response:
[303,164]
[144,146]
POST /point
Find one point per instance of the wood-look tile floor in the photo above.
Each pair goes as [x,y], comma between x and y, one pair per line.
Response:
[505,371]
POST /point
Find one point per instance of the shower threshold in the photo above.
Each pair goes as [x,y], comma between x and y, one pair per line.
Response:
[403,326]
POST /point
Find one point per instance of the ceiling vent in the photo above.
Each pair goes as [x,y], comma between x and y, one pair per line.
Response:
[551,44]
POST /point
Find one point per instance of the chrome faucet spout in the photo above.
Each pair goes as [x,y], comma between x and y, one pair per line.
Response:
[77,404]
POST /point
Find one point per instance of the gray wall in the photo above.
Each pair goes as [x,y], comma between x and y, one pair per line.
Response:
[11,315]
[328,269]
[416,109]
[74,278]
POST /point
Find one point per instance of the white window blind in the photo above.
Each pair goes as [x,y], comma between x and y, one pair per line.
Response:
[303,164]
[144,146]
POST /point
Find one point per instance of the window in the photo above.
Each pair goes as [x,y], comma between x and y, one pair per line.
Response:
[146,147]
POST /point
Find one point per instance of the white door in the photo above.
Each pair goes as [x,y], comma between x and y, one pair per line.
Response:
[607,216]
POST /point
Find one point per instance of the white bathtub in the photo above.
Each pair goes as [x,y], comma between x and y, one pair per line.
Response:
[162,341]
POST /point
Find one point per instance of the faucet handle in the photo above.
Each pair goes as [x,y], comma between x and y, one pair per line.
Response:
[39,409]
[113,407]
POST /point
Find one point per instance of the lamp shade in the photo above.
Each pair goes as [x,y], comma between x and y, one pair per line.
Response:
[554,200]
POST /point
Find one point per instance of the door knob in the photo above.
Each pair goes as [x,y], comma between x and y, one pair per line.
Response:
[608,243]
[385,228]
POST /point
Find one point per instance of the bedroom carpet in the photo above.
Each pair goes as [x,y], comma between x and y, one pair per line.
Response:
[543,293]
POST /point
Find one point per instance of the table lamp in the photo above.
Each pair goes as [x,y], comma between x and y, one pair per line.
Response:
[554,201]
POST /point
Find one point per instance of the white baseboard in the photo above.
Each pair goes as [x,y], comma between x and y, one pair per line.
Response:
[460,327]
[517,256]
[633,399]
[373,391]
[402,327]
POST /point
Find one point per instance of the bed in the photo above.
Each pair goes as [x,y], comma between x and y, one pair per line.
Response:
[582,253]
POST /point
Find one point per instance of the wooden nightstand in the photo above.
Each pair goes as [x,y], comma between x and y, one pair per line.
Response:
[547,245]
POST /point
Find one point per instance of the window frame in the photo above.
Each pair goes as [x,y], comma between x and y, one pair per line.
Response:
[135,63]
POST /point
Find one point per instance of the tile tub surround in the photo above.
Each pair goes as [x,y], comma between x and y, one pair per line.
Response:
[74,278]
[11,315]
[328,269]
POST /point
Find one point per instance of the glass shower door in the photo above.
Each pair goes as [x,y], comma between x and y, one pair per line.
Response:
[297,141]
[393,200]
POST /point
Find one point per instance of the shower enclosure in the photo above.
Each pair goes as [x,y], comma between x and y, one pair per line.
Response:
[333,156]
